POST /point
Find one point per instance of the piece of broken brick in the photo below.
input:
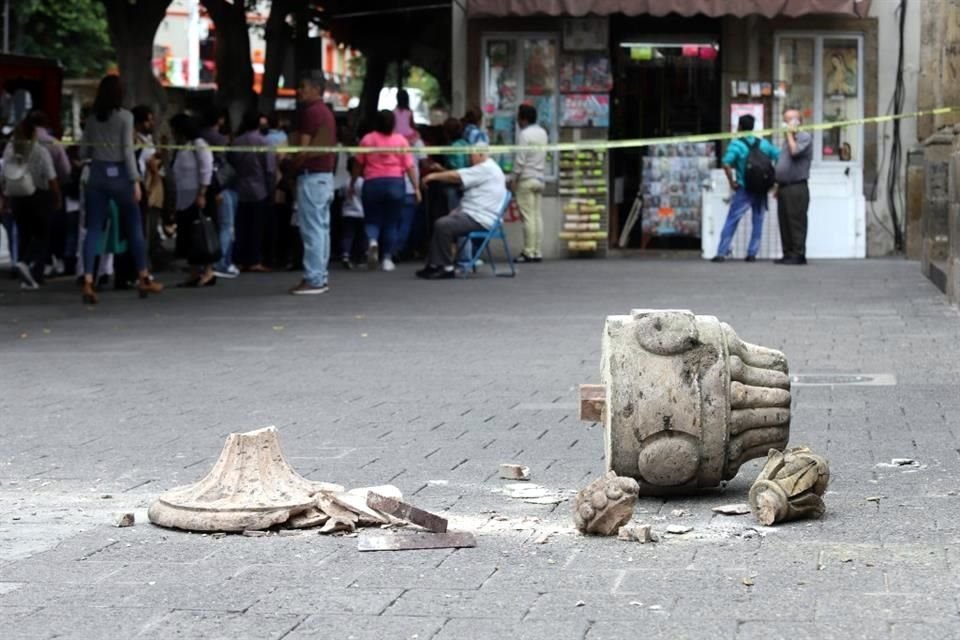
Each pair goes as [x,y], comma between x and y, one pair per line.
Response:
[126,520]
[509,471]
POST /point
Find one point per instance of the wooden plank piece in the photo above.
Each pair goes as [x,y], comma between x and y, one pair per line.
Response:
[406,512]
[412,542]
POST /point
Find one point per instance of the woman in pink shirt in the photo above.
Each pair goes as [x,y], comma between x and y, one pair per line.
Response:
[383,188]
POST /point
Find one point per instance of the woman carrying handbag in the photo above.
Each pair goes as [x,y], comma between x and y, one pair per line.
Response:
[192,170]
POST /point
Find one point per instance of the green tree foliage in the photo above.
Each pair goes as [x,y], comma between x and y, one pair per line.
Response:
[73,31]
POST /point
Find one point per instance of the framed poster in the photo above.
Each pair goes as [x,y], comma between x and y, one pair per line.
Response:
[585,110]
[754,109]
[585,34]
[840,71]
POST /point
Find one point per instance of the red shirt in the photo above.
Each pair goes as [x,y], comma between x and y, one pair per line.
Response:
[317,117]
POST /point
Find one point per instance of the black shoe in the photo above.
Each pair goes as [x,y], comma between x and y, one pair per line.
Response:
[441,274]
[346,264]
[750,259]
[427,272]
[524,258]
[718,259]
[794,260]
[209,283]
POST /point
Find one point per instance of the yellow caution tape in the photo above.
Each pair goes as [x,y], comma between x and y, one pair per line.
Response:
[580,146]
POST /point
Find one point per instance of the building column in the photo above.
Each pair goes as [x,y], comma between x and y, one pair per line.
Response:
[458,57]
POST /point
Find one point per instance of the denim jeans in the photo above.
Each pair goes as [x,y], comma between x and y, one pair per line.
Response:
[738,206]
[109,181]
[405,223]
[226,221]
[383,200]
[314,196]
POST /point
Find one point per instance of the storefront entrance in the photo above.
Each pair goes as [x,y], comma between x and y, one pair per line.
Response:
[667,83]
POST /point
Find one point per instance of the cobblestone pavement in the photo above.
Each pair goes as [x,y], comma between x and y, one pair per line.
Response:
[429,386]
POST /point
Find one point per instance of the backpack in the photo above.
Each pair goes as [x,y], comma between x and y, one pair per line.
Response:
[759,174]
[17,179]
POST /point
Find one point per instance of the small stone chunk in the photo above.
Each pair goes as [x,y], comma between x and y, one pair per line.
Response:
[642,533]
[514,472]
[679,529]
[733,509]
[254,534]
[126,520]
[678,513]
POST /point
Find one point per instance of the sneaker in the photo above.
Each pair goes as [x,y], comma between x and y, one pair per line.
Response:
[307,289]
[24,286]
[523,258]
[388,265]
[26,277]
[228,273]
[373,256]
[718,259]
[750,259]
[346,264]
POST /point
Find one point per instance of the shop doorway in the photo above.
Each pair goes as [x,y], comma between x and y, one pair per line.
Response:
[667,84]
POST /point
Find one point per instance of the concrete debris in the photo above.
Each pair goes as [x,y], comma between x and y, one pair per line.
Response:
[126,520]
[748,582]
[404,511]
[542,538]
[642,533]
[679,529]
[416,541]
[533,493]
[605,505]
[733,509]
[580,603]
[903,462]
[252,489]
[310,518]
[514,472]
[679,513]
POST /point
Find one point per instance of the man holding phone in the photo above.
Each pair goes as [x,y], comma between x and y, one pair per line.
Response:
[793,193]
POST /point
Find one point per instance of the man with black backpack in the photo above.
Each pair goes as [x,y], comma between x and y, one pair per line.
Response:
[749,165]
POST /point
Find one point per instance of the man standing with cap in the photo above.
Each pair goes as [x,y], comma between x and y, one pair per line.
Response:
[793,193]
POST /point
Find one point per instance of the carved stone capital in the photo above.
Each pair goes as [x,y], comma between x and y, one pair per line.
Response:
[790,486]
[605,505]
[684,401]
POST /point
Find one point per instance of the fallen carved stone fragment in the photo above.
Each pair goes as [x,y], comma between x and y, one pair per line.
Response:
[684,401]
[605,505]
[790,486]
[679,529]
[251,487]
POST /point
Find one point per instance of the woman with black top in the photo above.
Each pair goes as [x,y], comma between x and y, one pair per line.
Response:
[108,143]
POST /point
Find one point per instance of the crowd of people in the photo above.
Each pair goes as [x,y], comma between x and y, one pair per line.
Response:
[116,205]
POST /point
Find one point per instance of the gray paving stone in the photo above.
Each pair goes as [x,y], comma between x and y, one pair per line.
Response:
[925,630]
[805,629]
[405,404]
[451,603]
[362,627]
[217,625]
[321,599]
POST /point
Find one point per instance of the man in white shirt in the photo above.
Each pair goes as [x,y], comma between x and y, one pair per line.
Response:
[529,167]
[484,190]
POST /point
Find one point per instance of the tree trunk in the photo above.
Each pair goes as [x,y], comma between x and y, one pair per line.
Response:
[378,62]
[234,69]
[132,28]
[277,35]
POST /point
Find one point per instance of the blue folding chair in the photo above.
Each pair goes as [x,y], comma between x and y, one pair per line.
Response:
[493,233]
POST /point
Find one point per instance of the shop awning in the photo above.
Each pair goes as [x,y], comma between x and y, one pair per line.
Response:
[712,8]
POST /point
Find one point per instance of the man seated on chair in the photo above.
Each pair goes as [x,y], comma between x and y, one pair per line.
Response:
[484,190]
